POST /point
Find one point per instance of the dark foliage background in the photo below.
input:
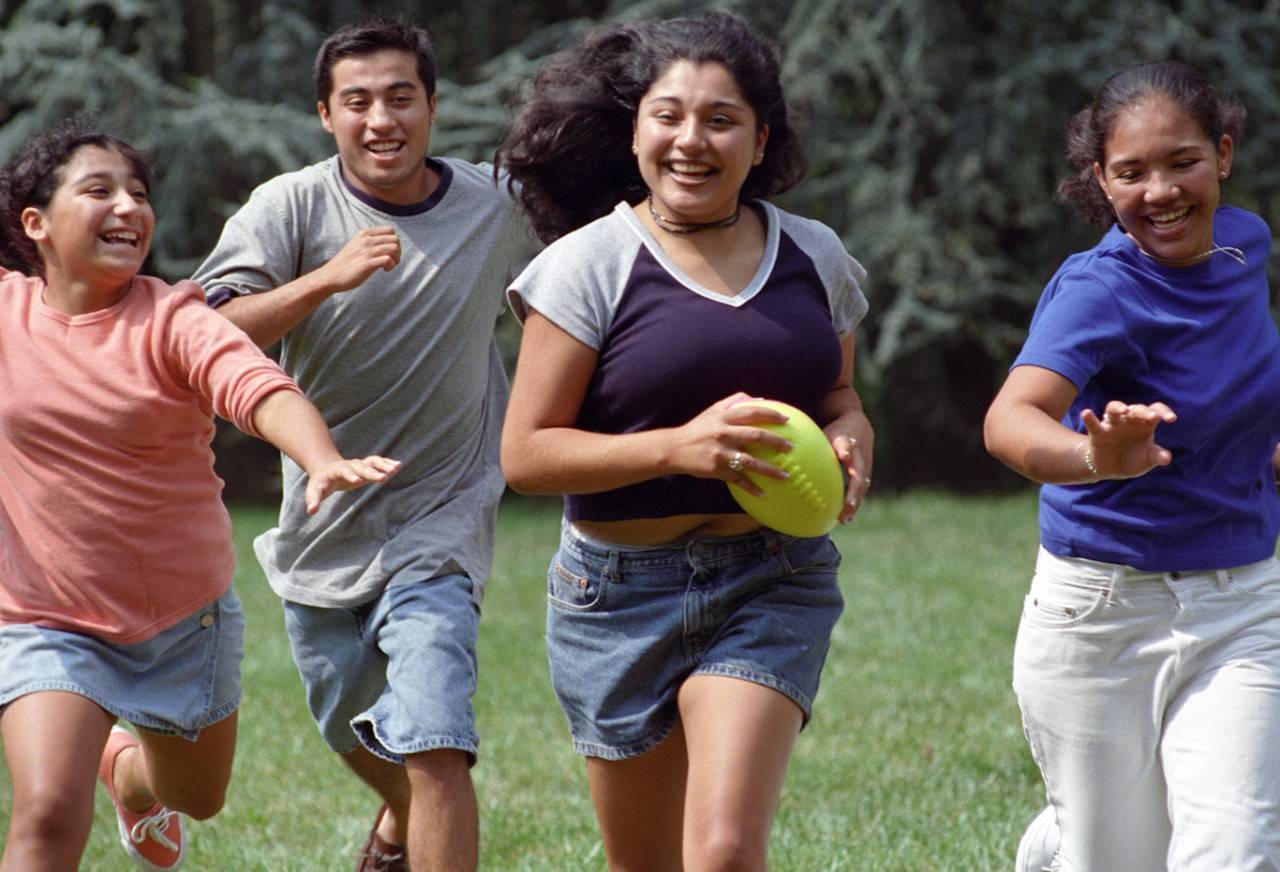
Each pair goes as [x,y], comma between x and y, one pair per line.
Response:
[934,134]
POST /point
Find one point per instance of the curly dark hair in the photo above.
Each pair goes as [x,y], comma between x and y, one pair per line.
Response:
[568,151]
[34,174]
[1087,131]
[367,36]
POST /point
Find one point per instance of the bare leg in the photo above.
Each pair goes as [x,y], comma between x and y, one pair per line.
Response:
[390,782]
[640,806]
[444,831]
[739,737]
[53,741]
[185,776]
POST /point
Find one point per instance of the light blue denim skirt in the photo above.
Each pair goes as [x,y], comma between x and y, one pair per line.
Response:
[176,683]
[626,626]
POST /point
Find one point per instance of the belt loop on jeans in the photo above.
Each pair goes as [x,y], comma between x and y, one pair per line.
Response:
[1224,579]
[1117,575]
[611,566]
[770,543]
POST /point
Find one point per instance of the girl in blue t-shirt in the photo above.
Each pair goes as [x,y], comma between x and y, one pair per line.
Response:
[1147,400]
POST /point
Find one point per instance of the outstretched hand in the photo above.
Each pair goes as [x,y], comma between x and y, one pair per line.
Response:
[1122,443]
[342,475]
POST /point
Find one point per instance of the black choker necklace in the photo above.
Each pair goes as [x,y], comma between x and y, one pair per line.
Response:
[692,226]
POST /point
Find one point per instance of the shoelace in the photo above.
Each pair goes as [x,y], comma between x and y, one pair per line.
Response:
[154,826]
[383,861]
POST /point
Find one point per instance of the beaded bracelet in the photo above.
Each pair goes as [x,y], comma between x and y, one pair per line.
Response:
[1088,458]
[1090,465]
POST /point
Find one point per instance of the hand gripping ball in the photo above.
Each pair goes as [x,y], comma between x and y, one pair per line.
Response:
[809,502]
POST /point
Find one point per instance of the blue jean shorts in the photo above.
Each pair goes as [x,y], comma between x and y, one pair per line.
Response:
[175,683]
[626,626]
[396,674]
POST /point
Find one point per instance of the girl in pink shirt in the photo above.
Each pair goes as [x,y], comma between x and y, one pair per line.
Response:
[115,548]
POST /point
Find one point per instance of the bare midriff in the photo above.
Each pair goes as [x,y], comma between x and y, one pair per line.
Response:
[669,530]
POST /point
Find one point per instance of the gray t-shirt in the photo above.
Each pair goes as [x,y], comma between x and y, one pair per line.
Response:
[405,366]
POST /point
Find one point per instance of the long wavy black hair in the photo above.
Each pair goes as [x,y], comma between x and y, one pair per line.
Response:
[1087,131]
[568,150]
[35,173]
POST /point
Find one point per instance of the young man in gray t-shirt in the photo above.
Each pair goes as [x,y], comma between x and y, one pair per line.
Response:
[382,273]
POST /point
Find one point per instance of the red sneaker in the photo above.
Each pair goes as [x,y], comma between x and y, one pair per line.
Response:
[153,838]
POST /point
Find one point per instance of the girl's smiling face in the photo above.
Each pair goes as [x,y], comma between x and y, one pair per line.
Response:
[1163,175]
[97,227]
[696,139]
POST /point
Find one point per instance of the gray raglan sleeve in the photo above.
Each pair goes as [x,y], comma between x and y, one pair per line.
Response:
[257,251]
[575,282]
[841,274]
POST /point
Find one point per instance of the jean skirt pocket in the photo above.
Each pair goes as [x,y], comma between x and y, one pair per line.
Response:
[573,584]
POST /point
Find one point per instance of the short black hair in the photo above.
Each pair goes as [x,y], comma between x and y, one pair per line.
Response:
[369,35]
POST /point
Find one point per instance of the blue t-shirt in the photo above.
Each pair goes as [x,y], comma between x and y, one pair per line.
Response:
[1201,339]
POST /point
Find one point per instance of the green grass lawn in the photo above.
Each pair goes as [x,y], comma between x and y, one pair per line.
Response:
[914,759]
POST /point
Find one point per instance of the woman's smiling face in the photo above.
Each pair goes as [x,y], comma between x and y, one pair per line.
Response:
[696,139]
[1163,174]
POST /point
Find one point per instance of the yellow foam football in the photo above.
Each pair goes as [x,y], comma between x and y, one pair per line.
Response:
[809,502]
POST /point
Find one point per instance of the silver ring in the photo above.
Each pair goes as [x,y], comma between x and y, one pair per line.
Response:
[735,462]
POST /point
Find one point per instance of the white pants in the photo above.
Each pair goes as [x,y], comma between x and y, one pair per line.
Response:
[1152,705]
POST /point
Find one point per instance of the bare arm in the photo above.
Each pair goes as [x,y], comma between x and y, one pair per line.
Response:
[268,316]
[1023,428]
[289,421]
[850,432]
[542,452]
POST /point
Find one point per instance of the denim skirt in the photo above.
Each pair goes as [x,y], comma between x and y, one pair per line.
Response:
[626,626]
[176,683]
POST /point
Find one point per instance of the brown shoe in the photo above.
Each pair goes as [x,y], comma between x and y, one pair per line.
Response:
[379,855]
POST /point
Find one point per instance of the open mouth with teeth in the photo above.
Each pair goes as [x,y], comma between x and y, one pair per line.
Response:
[691,171]
[1170,220]
[385,146]
[131,238]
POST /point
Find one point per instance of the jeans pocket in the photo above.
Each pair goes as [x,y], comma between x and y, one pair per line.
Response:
[572,586]
[819,555]
[1056,604]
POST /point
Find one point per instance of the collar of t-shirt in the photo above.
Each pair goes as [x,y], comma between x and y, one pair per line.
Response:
[403,211]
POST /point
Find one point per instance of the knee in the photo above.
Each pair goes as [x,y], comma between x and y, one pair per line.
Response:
[443,765]
[197,806]
[49,816]
[726,847]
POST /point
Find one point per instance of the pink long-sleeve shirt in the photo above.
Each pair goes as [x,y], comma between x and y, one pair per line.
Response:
[111,518]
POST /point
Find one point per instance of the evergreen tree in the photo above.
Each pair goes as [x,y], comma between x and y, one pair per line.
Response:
[934,131]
